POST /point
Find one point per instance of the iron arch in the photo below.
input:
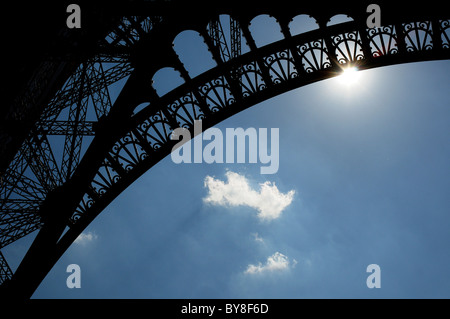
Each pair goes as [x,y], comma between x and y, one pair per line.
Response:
[126,143]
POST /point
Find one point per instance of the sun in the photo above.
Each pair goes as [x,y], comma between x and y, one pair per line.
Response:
[349,76]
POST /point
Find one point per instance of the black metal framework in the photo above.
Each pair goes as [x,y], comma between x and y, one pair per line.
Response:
[108,145]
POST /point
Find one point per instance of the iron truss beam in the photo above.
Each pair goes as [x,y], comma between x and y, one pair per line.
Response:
[85,128]
[61,192]
[5,271]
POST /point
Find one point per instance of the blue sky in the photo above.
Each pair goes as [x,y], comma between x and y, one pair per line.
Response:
[367,168]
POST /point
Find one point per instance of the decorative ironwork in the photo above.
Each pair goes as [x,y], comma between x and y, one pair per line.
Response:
[281,66]
[445,33]
[186,110]
[348,47]
[217,34]
[251,79]
[383,41]
[217,94]
[314,56]
[418,36]
[5,270]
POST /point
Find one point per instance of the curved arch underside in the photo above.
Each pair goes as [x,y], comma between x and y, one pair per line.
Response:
[61,199]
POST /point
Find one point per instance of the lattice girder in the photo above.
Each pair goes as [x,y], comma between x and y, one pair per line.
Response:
[125,145]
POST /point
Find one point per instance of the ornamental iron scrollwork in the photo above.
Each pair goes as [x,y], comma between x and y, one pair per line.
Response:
[127,152]
[251,79]
[445,33]
[418,36]
[156,130]
[314,55]
[383,41]
[281,66]
[217,94]
[348,47]
[86,203]
[88,91]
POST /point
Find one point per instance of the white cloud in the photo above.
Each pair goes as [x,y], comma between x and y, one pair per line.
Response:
[275,263]
[85,238]
[269,201]
[258,238]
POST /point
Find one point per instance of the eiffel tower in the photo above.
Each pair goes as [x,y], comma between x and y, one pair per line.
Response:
[59,83]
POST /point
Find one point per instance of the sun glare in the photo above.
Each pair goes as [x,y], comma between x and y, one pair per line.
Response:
[350,76]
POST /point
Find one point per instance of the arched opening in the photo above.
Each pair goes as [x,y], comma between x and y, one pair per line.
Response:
[191,48]
[302,23]
[165,80]
[265,30]
[338,19]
